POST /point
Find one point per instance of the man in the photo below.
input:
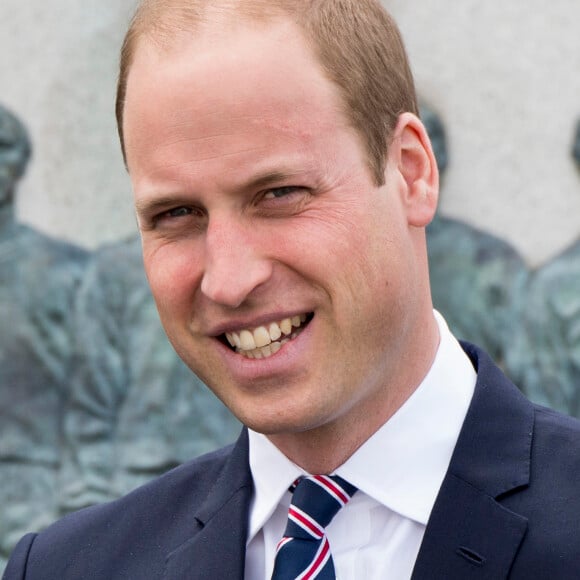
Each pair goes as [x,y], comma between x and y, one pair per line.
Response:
[38,279]
[283,185]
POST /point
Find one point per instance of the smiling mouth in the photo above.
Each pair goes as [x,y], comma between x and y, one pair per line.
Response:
[265,341]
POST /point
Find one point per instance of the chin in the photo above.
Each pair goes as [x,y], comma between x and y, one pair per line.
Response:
[272,423]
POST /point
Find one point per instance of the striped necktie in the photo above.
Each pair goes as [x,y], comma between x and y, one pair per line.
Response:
[304,552]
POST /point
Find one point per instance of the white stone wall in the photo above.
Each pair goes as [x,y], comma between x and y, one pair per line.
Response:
[58,68]
[504,76]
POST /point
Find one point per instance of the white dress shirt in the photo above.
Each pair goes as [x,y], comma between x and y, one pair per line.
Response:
[398,472]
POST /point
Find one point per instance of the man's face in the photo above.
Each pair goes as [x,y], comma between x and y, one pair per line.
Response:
[263,228]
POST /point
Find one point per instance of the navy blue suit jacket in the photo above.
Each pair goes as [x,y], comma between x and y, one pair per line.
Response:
[509,507]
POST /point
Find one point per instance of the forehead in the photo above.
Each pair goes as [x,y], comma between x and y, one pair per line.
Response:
[268,58]
[257,74]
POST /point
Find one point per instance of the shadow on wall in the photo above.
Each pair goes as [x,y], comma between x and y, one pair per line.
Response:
[95,401]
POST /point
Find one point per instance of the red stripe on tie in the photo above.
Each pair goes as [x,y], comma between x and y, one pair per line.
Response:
[315,530]
[318,563]
[332,487]
[282,543]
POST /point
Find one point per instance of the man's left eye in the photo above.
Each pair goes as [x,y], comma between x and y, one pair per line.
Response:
[280,191]
[178,212]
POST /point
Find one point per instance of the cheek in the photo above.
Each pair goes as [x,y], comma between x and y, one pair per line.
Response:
[378,276]
[173,273]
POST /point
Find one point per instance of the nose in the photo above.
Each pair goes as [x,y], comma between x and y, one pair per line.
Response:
[235,264]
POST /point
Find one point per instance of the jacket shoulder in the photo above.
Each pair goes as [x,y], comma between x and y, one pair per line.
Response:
[550,503]
[127,538]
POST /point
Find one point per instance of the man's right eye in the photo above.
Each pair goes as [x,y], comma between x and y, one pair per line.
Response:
[182,218]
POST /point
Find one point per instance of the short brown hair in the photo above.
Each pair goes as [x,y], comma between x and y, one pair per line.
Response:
[357,43]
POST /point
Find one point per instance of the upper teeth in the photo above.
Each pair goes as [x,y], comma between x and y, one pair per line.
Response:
[262,336]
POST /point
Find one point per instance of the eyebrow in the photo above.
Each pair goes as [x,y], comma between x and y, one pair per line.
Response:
[269,178]
[146,208]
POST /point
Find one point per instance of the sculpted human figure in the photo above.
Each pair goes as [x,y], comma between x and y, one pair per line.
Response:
[478,281]
[135,409]
[283,182]
[553,326]
[38,277]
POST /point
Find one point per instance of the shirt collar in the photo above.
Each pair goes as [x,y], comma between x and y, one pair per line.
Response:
[402,466]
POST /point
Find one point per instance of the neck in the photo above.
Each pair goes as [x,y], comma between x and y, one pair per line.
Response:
[323,449]
[319,451]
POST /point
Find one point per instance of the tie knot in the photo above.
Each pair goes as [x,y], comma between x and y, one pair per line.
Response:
[315,502]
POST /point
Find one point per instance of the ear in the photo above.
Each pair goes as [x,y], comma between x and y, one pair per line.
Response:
[416,164]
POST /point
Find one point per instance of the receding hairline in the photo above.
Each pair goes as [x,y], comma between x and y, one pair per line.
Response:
[164,23]
[161,20]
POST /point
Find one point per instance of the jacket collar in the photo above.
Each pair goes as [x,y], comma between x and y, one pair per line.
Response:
[470,534]
[217,547]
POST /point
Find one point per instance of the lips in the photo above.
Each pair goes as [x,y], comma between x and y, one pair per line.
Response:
[265,341]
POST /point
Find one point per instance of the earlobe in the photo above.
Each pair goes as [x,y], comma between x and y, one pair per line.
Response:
[418,168]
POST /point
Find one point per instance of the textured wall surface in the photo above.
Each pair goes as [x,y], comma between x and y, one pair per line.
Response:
[58,67]
[505,77]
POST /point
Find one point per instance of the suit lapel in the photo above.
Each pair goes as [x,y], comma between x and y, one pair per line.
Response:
[470,534]
[217,547]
